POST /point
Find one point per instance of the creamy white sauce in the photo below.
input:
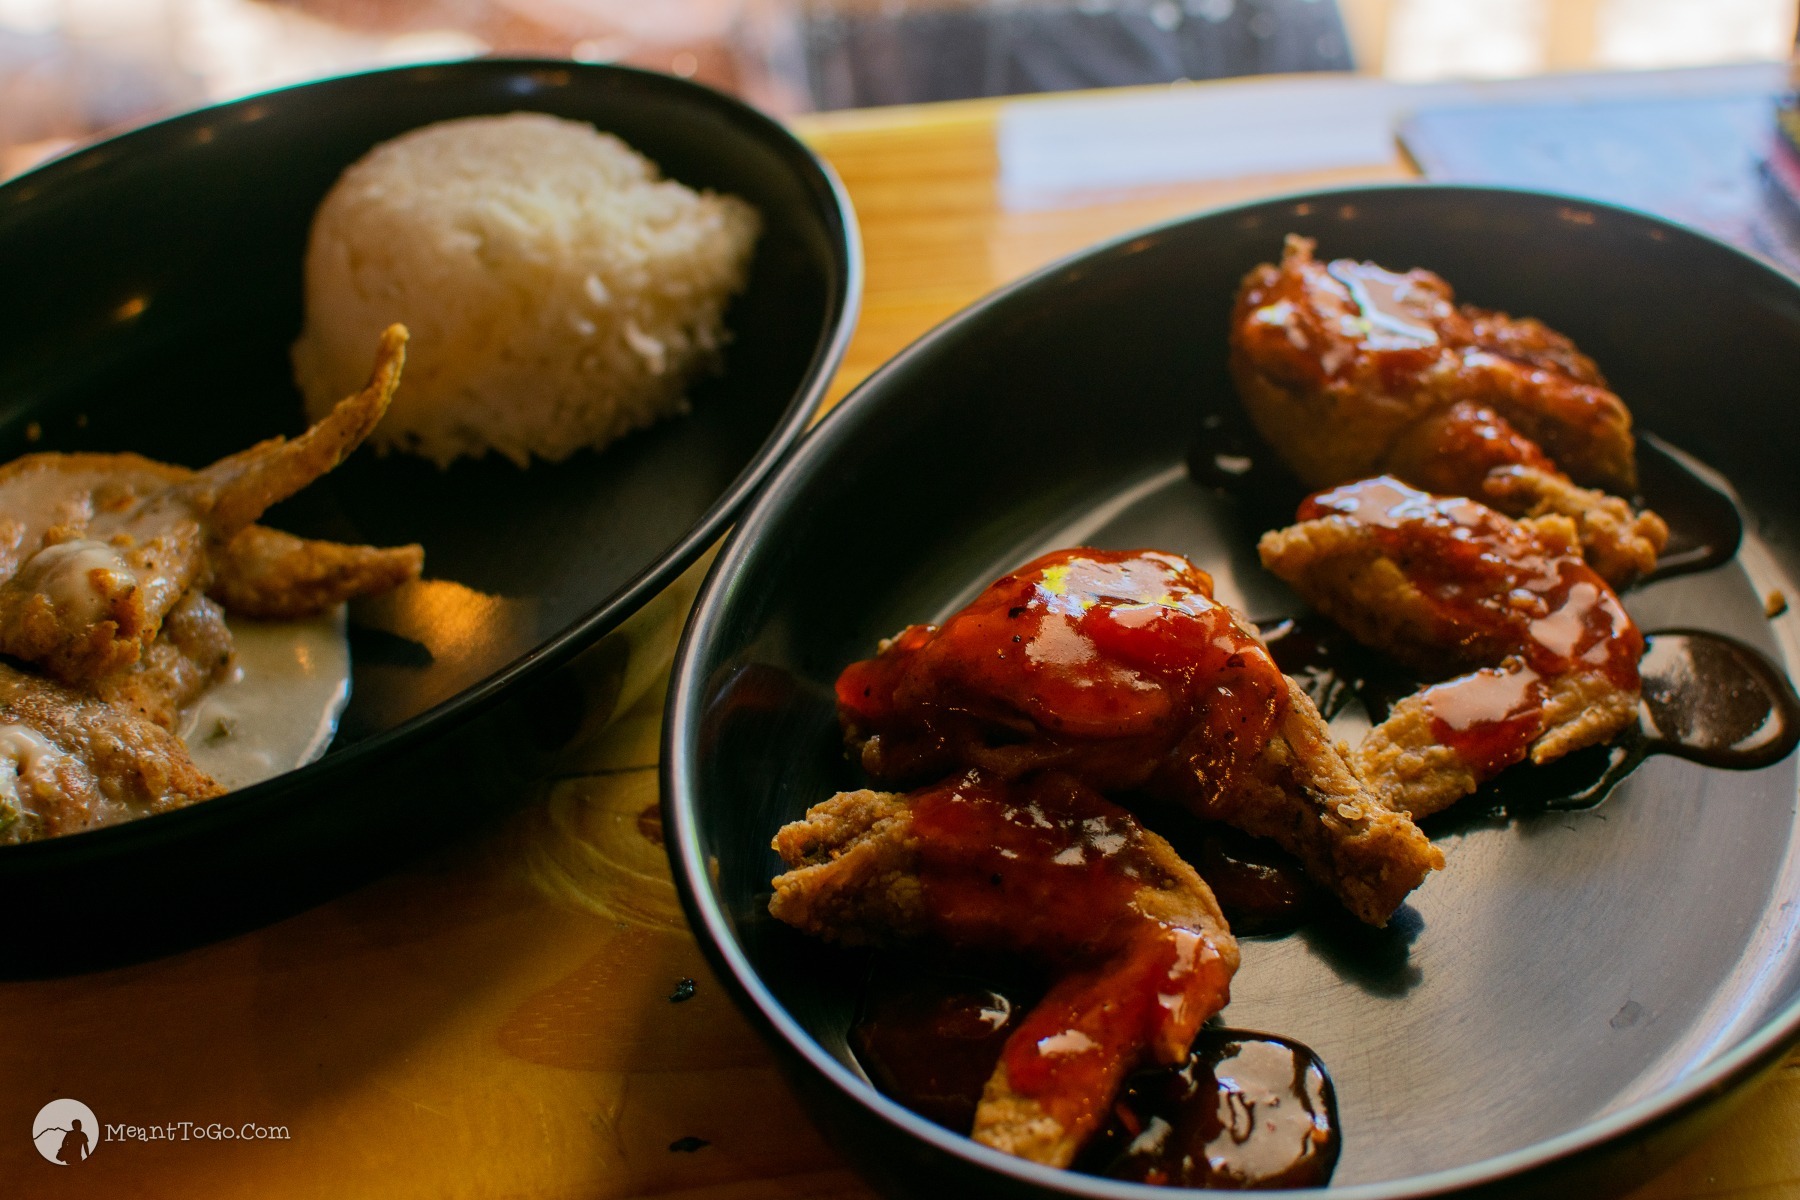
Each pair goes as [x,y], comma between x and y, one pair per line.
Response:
[26,756]
[65,573]
[281,706]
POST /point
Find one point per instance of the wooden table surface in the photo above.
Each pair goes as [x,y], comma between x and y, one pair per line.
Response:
[498,1021]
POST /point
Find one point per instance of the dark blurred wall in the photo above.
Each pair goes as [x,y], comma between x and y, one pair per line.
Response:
[856,59]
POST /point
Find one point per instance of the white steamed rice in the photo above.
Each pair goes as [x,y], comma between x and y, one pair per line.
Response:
[559,292]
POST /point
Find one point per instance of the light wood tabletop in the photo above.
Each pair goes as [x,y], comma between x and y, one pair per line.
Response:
[505,1019]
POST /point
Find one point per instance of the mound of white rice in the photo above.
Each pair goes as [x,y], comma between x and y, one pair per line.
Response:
[559,291]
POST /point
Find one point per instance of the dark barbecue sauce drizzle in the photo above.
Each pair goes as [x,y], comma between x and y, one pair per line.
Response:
[1704,524]
[1715,700]
[1261,888]
[1706,697]
[1245,1110]
[930,1033]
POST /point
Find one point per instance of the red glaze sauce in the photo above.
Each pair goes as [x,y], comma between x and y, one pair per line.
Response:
[1240,1110]
[1308,326]
[1490,717]
[1454,451]
[1397,311]
[1144,1004]
[1115,666]
[1052,870]
[1503,591]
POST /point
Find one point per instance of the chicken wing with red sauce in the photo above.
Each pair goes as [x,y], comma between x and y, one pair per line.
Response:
[1119,668]
[1445,584]
[1048,869]
[1350,371]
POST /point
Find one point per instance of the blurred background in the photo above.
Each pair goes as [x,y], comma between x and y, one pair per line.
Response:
[74,69]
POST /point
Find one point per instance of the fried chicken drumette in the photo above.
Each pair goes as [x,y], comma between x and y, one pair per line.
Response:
[1351,371]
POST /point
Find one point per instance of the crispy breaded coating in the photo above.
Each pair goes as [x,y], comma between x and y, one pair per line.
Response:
[1403,759]
[1351,371]
[236,490]
[70,762]
[853,874]
[1468,450]
[1621,543]
[1019,1125]
[1119,668]
[265,573]
[92,583]
[1336,362]
[1347,577]
[192,652]
[1582,710]
[1305,796]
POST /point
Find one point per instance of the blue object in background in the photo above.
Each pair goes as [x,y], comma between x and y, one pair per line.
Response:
[1698,160]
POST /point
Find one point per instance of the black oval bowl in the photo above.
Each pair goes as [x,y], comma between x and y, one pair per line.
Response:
[152,288]
[1555,1013]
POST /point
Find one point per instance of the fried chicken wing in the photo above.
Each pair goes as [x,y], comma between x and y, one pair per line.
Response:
[1048,869]
[70,761]
[236,490]
[263,572]
[90,574]
[1447,585]
[1350,371]
[1116,666]
[1119,668]
[100,547]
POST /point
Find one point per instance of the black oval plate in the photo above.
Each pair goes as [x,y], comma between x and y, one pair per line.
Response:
[152,291]
[1550,1010]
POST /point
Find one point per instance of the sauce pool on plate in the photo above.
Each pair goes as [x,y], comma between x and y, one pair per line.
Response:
[280,708]
[1245,1110]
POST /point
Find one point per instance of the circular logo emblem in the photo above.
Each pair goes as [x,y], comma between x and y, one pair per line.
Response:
[65,1132]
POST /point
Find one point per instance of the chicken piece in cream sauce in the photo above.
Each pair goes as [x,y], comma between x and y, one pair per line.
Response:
[119,581]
